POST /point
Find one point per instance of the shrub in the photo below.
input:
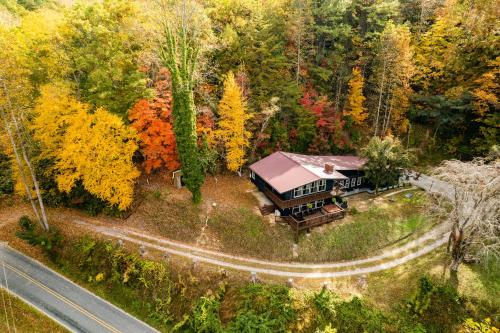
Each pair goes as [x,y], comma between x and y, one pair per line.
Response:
[437,306]
[470,326]
[356,316]
[324,302]
[263,308]
[204,317]
[50,241]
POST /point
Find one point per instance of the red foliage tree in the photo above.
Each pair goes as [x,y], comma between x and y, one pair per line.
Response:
[331,135]
[152,119]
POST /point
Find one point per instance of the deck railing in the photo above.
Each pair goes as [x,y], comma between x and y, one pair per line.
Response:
[314,220]
[296,201]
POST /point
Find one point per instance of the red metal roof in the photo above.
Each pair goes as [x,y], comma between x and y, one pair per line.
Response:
[286,171]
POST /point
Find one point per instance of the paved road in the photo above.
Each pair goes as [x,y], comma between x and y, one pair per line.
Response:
[433,185]
[68,304]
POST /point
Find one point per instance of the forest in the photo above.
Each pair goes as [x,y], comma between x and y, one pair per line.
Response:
[94,93]
[104,102]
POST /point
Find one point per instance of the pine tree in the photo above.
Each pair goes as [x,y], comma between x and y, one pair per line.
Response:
[233,115]
[355,100]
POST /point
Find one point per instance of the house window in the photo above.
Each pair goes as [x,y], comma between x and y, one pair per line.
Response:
[322,185]
[346,183]
[295,209]
[341,183]
[359,181]
[353,182]
[252,175]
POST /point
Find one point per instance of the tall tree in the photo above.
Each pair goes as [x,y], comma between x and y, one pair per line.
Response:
[385,159]
[475,209]
[355,100]
[152,119]
[179,53]
[94,149]
[231,131]
[103,50]
[393,72]
[15,96]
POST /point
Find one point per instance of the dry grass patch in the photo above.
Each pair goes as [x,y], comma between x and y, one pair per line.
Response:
[26,318]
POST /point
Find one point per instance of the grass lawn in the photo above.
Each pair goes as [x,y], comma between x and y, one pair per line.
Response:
[229,221]
[370,226]
[26,318]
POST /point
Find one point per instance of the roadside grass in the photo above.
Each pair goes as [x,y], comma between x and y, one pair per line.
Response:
[119,295]
[240,231]
[26,318]
[386,221]
[479,283]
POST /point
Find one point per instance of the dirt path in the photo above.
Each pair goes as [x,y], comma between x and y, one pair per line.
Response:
[389,259]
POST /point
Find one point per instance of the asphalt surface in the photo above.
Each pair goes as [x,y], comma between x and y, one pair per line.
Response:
[68,304]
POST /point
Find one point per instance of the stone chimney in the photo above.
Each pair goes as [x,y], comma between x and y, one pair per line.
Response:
[329,168]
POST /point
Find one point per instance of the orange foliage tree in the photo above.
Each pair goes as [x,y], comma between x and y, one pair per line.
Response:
[152,119]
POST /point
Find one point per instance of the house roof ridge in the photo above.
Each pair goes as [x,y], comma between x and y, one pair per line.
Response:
[299,164]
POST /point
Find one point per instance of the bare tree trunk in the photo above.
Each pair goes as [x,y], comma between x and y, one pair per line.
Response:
[388,120]
[380,98]
[45,223]
[17,128]
[298,58]
[339,88]
[20,167]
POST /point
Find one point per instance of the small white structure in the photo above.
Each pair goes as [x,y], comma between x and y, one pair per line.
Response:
[177,178]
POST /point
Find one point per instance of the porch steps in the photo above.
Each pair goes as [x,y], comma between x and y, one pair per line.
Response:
[267,209]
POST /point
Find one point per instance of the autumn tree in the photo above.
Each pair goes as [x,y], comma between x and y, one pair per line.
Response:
[384,160]
[475,209]
[152,119]
[98,151]
[329,134]
[15,96]
[355,100]
[179,53]
[55,110]
[95,149]
[103,47]
[392,74]
[231,131]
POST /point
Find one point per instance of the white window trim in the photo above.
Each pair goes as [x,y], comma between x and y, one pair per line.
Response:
[353,182]
[359,181]
[314,187]
[347,183]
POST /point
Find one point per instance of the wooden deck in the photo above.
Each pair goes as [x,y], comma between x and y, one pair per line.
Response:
[325,215]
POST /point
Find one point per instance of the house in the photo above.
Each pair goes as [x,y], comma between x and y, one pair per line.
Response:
[306,190]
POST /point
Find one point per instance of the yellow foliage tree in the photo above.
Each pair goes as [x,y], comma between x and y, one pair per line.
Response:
[55,111]
[95,149]
[98,150]
[355,101]
[233,115]
[486,93]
